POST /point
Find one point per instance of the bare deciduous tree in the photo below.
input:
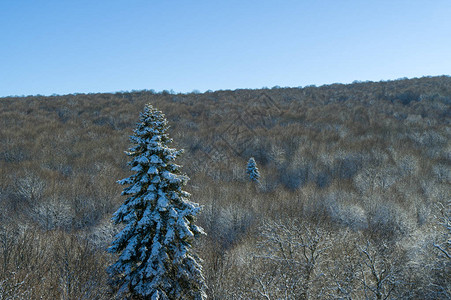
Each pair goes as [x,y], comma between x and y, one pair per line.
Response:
[292,254]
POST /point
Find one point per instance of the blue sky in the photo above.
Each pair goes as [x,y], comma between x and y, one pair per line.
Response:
[62,47]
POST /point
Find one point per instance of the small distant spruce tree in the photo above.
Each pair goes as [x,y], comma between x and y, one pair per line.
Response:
[155,259]
[252,170]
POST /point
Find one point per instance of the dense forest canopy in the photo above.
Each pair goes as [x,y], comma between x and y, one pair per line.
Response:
[362,168]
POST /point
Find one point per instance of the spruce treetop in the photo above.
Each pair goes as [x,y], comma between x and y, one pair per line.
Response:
[252,170]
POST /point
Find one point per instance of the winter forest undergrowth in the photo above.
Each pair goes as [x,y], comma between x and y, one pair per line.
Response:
[353,199]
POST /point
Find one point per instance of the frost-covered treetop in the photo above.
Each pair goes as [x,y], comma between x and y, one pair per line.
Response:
[151,135]
[155,245]
[252,170]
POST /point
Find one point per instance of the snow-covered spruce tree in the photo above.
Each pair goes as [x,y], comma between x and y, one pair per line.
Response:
[252,170]
[155,258]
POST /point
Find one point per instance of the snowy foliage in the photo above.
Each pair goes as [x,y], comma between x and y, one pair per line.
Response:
[155,258]
[252,170]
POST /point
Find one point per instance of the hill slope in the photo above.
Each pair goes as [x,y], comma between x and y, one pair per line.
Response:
[370,160]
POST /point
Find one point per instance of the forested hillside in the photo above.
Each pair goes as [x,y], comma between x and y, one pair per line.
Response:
[353,199]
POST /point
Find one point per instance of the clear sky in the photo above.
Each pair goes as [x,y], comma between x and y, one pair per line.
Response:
[83,46]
